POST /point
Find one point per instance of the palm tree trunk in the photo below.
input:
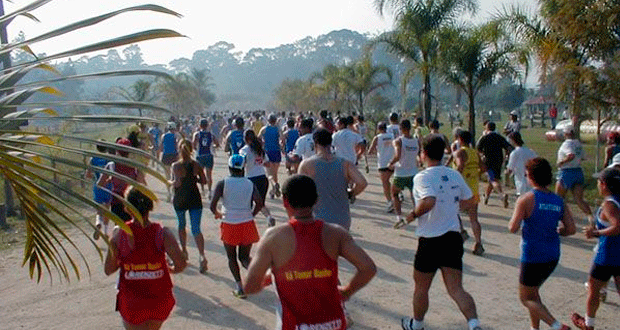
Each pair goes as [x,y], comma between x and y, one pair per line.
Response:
[426,96]
[576,111]
[472,110]
[361,103]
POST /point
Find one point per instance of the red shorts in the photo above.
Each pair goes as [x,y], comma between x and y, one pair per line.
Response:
[239,234]
[136,310]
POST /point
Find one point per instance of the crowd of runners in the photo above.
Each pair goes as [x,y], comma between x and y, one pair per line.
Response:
[323,157]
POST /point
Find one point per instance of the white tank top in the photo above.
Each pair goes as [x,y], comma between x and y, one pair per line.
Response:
[237,200]
[408,163]
[385,149]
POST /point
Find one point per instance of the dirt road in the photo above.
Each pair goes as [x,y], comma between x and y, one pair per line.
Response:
[205,301]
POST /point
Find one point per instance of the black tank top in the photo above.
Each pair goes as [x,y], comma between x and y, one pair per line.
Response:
[187,196]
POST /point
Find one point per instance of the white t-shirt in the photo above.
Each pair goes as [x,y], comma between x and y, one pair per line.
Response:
[448,188]
[394,129]
[516,163]
[571,146]
[407,165]
[304,147]
[253,164]
[344,143]
[385,149]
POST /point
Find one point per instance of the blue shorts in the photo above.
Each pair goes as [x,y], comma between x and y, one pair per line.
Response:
[495,174]
[205,161]
[101,196]
[194,220]
[570,177]
[274,156]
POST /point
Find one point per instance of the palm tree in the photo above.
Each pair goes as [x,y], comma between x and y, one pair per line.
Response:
[200,79]
[363,78]
[26,157]
[472,57]
[139,91]
[416,36]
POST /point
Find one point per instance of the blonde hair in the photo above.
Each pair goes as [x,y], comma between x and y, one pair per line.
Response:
[185,147]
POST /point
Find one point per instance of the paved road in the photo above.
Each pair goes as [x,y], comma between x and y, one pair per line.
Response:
[205,301]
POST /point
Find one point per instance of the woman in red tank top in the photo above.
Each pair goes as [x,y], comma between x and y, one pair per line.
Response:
[144,297]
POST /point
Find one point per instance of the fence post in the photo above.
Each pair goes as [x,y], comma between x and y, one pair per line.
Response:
[3,223]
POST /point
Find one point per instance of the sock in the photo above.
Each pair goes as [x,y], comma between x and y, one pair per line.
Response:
[239,286]
[398,218]
[589,321]
[556,325]
[98,219]
[473,323]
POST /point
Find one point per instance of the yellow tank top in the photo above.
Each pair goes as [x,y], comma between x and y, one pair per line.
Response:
[471,170]
[256,126]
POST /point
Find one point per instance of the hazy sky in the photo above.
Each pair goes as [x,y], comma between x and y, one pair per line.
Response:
[245,23]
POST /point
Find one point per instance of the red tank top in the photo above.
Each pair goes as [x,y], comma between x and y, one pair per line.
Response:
[308,283]
[143,268]
[119,185]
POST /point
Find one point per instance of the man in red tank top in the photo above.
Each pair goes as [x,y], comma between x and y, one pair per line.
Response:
[302,255]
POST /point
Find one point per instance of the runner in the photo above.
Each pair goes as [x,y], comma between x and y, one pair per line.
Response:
[348,144]
[516,162]
[362,130]
[606,262]
[203,141]
[270,135]
[438,191]
[325,122]
[186,174]
[382,145]
[570,174]
[145,297]
[155,133]
[394,127]
[234,138]
[289,139]
[469,164]
[540,211]
[255,169]
[332,176]
[169,152]
[118,183]
[307,245]
[238,231]
[100,196]
[405,165]
[492,146]
[304,147]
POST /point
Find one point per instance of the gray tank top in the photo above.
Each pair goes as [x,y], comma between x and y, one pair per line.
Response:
[331,184]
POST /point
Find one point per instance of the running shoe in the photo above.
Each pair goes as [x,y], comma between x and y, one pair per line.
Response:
[486,199]
[203,264]
[579,322]
[505,201]
[96,234]
[399,223]
[478,249]
[407,324]
[239,294]
[209,195]
[271,221]
[464,235]
[367,169]
[277,190]
[390,207]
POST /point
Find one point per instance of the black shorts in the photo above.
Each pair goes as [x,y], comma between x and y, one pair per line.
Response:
[535,273]
[261,183]
[168,159]
[604,273]
[437,252]
[386,169]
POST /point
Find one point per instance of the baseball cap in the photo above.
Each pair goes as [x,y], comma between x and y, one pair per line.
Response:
[569,129]
[171,125]
[124,142]
[615,161]
[514,113]
[236,162]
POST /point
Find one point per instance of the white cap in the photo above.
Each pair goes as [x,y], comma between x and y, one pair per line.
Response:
[615,161]
[514,113]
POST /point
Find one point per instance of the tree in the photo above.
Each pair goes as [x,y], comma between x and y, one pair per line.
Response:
[187,93]
[139,91]
[26,157]
[416,36]
[363,78]
[471,58]
[570,39]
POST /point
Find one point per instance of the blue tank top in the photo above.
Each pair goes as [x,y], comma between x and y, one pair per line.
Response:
[98,162]
[205,139]
[272,136]
[169,144]
[540,239]
[236,141]
[608,248]
[291,138]
[155,133]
